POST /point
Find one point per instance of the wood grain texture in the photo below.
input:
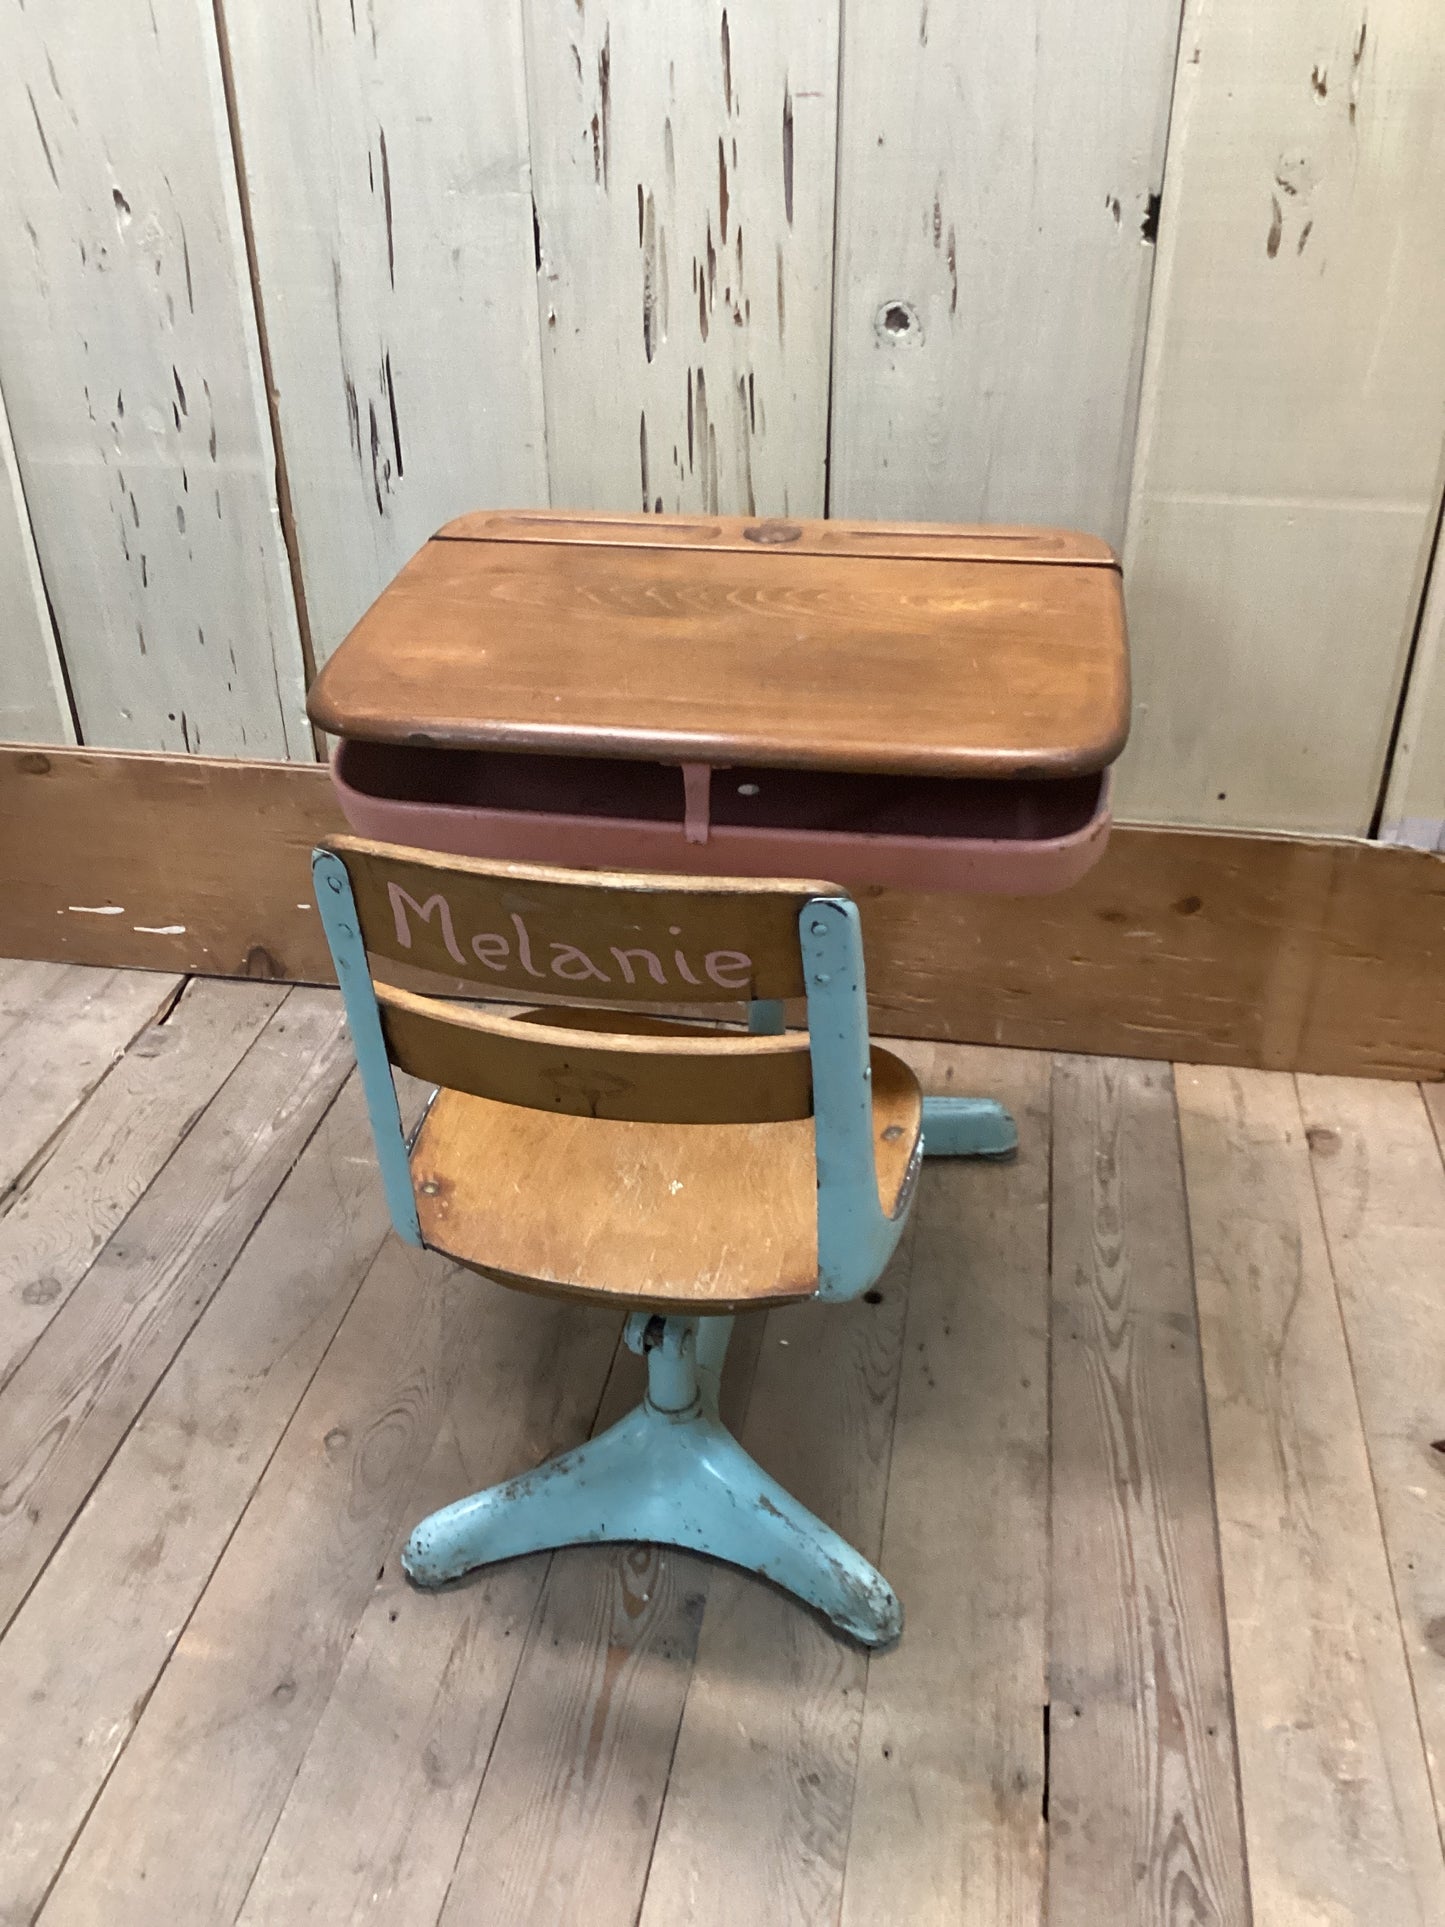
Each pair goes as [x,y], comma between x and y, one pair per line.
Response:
[562,1830]
[553,1066]
[34,706]
[66,1029]
[948,1809]
[230,1718]
[1381,1188]
[374,1822]
[1144,1820]
[693,1217]
[683,164]
[510,926]
[996,165]
[151,1532]
[69,1204]
[743,654]
[755,1823]
[921,541]
[1287,477]
[73,1398]
[1338,1814]
[1414,811]
[385,156]
[133,382]
[1282,952]
[376,1435]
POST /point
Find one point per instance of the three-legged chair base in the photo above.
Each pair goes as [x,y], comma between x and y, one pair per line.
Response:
[670,1473]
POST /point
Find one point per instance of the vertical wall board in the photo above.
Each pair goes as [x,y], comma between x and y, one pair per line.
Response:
[130,367]
[1294,404]
[33,704]
[1415,800]
[385,154]
[995,174]
[683,160]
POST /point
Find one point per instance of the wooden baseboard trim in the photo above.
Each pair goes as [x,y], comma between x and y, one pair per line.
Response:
[1280,952]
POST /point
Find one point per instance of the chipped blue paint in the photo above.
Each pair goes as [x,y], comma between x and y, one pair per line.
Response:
[667,1474]
[343,933]
[967,1127]
[670,1473]
[855,1238]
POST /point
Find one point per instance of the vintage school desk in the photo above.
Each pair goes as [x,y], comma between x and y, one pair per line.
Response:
[929,708]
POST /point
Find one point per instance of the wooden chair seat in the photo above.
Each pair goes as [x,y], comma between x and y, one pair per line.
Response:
[672,1217]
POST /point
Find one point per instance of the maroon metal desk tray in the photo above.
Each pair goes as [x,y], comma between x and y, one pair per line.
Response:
[912,833]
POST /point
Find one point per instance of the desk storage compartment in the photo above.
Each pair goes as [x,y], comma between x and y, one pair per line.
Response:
[906,832]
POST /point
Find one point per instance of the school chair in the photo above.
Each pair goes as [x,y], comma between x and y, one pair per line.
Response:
[681,1172]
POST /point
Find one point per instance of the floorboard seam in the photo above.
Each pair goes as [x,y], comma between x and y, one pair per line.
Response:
[1234,1751]
[1430,1766]
[146,1697]
[524,1646]
[145,1403]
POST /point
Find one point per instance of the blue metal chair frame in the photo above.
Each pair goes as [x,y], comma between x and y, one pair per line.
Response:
[670,1472]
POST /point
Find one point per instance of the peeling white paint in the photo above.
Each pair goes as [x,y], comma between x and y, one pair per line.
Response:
[98,909]
[159,929]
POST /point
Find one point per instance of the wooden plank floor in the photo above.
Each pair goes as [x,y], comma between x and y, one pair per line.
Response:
[1147,1426]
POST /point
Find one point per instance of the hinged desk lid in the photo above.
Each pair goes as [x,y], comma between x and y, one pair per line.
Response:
[823,645]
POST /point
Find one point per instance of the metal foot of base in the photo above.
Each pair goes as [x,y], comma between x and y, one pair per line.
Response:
[677,1479]
[967,1127]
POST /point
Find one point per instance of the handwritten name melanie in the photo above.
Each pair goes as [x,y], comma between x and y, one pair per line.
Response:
[730,970]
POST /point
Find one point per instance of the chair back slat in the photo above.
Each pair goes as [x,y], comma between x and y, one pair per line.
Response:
[619,938]
[663,1077]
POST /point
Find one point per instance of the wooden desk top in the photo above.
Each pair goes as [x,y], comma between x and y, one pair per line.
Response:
[827,645]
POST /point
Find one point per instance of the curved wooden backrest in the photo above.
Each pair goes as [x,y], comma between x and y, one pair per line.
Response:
[614,936]
[663,1075]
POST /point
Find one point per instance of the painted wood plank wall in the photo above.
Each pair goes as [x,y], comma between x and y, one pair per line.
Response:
[683,160]
[33,704]
[129,364]
[385,156]
[510,253]
[1415,803]
[998,169]
[1287,474]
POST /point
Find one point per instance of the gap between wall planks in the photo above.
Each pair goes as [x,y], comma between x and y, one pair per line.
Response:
[133,382]
[1414,812]
[684,167]
[1287,474]
[1339,1819]
[388,195]
[34,702]
[996,174]
[1255,950]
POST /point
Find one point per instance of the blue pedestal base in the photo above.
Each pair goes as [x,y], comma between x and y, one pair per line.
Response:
[670,1473]
[967,1127]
